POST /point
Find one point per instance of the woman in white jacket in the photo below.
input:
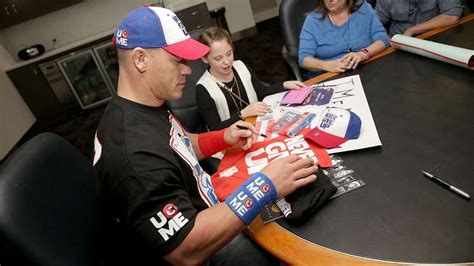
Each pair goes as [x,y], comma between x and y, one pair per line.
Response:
[229,90]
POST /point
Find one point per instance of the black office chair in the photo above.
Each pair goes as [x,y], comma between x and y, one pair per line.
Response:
[185,109]
[48,209]
[468,7]
[292,15]
[373,3]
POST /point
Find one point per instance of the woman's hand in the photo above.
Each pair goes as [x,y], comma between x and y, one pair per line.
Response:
[255,109]
[353,59]
[335,66]
[293,84]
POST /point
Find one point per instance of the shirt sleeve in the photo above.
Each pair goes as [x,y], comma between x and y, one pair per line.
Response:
[156,209]
[383,11]
[377,30]
[308,44]
[450,7]
[208,110]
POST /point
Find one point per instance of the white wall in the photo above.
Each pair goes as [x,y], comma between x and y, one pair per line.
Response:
[238,14]
[264,9]
[71,24]
[15,116]
[68,25]
[212,4]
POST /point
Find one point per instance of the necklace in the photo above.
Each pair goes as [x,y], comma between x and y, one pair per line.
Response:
[234,96]
[348,40]
[232,93]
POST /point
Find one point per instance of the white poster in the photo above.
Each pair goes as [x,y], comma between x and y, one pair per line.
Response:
[348,94]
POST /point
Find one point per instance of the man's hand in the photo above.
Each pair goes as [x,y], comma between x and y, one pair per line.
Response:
[409,32]
[242,137]
[290,173]
[255,109]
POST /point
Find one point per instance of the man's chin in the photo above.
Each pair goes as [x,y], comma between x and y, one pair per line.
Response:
[178,94]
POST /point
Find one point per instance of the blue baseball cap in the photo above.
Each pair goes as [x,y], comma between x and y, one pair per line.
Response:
[157,27]
[335,126]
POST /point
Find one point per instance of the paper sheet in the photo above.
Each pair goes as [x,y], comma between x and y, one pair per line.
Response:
[349,94]
[446,53]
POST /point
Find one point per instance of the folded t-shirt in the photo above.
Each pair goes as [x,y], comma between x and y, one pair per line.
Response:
[238,165]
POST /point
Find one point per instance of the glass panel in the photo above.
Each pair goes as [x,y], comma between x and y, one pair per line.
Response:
[107,54]
[85,79]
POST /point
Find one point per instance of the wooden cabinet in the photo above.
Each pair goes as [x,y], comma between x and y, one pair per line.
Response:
[8,14]
[46,89]
[16,11]
[195,18]
[37,94]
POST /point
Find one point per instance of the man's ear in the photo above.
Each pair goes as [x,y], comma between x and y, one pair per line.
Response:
[139,57]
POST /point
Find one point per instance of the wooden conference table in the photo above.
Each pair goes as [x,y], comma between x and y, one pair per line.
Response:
[424,113]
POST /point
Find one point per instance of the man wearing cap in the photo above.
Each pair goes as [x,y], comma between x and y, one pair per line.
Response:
[149,179]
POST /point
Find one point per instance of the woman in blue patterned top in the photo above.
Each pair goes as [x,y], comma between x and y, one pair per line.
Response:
[338,35]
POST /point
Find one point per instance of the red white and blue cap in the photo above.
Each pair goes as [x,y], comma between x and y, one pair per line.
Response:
[156,27]
[335,126]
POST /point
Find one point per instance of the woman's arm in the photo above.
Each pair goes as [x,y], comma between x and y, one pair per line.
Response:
[308,49]
[380,41]
[353,59]
[314,64]
[378,35]
[383,11]
[376,47]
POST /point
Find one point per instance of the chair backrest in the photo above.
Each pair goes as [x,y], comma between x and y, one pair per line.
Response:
[185,109]
[48,212]
[467,7]
[373,3]
[470,5]
[292,15]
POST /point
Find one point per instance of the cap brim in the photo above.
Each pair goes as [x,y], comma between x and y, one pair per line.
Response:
[324,139]
[188,49]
